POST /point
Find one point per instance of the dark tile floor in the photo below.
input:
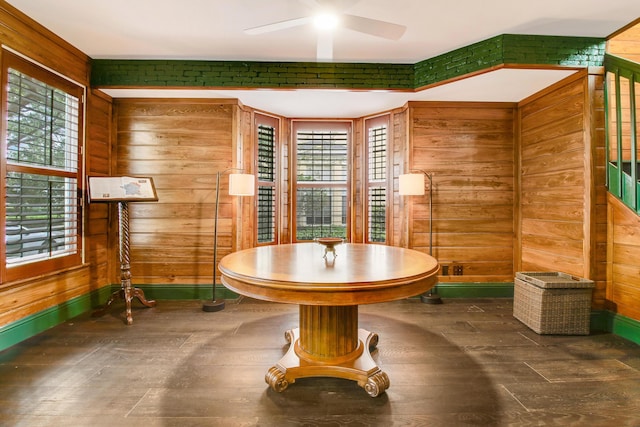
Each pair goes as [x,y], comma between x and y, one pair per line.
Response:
[463,363]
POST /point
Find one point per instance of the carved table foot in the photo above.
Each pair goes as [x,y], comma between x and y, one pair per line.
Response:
[358,366]
[127,296]
[139,294]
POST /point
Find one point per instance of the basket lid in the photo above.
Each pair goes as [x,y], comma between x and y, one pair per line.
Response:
[554,280]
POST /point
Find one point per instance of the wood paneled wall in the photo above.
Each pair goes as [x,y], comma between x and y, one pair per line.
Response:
[19,300]
[597,195]
[469,149]
[626,44]
[561,210]
[27,37]
[181,144]
[553,179]
[100,244]
[399,150]
[623,290]
[358,172]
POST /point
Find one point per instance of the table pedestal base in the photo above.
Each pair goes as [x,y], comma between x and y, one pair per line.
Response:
[358,365]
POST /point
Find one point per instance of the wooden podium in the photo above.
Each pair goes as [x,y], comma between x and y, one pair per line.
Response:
[122,190]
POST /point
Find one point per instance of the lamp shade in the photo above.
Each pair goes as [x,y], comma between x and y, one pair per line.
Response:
[241,184]
[411,184]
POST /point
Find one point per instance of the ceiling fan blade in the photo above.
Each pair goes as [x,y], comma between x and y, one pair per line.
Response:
[276,26]
[386,30]
[324,51]
[338,5]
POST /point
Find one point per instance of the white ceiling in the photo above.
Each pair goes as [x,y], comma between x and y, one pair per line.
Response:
[213,30]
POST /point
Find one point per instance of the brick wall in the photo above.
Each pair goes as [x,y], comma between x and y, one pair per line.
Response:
[510,49]
[236,74]
[496,51]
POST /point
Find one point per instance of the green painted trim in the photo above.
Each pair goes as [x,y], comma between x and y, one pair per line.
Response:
[34,324]
[506,49]
[474,290]
[624,326]
[445,290]
[182,292]
[14,333]
[608,321]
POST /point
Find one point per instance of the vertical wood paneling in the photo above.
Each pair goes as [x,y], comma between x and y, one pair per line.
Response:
[98,252]
[468,147]
[555,180]
[284,183]
[181,144]
[359,179]
[244,223]
[598,190]
[399,150]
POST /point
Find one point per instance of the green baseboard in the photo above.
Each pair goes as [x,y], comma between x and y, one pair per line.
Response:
[32,325]
[14,333]
[179,292]
[474,290]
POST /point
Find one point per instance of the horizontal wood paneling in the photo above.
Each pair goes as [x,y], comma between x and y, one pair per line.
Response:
[626,44]
[34,296]
[623,288]
[182,144]
[468,147]
[26,36]
[25,298]
[554,176]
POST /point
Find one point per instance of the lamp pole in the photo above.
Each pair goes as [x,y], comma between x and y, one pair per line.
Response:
[218,304]
[430,297]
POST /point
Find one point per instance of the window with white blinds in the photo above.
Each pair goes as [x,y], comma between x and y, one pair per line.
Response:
[43,121]
[266,194]
[376,130]
[322,171]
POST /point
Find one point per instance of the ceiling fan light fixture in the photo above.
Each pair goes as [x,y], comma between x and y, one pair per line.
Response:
[326,21]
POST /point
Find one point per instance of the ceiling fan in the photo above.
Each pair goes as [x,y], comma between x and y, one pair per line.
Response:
[327,15]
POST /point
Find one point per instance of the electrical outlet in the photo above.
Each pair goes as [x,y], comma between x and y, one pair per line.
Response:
[457,270]
[445,270]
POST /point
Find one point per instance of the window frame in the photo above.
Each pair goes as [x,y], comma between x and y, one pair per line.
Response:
[37,267]
[316,125]
[265,120]
[371,123]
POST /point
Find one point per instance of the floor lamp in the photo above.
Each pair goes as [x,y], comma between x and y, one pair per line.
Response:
[240,184]
[413,184]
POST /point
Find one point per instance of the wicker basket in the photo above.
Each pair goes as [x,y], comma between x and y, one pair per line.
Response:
[552,302]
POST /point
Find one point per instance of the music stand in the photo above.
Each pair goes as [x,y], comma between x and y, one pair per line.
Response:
[122,190]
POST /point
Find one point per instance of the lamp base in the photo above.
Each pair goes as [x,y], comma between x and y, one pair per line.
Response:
[431,298]
[211,306]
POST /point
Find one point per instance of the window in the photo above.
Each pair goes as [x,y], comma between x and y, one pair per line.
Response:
[42,125]
[321,171]
[376,131]
[266,201]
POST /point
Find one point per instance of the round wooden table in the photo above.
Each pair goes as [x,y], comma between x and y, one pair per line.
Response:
[328,290]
